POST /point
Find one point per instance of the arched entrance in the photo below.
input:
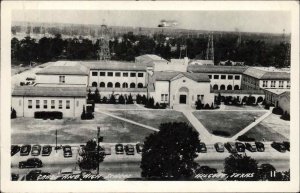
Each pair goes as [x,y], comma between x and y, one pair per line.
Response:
[183,95]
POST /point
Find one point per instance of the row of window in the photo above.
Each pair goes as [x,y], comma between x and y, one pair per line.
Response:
[199,97]
[223,77]
[164,97]
[117,85]
[118,74]
[52,104]
[273,83]
[223,87]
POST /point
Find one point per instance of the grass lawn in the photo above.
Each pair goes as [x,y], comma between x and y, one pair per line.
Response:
[29,130]
[118,106]
[152,117]
[271,129]
[243,107]
[227,121]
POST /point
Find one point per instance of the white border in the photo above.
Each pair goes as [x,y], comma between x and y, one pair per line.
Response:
[109,186]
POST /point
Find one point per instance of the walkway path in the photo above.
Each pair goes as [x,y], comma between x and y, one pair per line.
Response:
[246,129]
[127,120]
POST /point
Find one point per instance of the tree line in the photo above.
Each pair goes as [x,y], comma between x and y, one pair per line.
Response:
[128,46]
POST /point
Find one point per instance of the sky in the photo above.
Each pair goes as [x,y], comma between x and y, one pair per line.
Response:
[244,21]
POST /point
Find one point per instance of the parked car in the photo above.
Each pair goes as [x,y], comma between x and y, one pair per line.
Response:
[47,149]
[219,147]
[230,146]
[129,149]
[36,150]
[31,163]
[67,151]
[25,150]
[286,145]
[14,149]
[279,146]
[240,147]
[251,146]
[260,146]
[33,175]
[206,170]
[119,149]
[14,177]
[107,150]
[201,148]
[139,147]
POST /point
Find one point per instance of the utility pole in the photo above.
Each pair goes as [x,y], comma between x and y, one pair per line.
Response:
[98,136]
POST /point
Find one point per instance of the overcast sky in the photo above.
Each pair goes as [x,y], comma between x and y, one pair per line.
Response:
[245,21]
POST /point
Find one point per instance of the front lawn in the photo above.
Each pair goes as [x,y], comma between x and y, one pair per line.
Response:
[152,117]
[29,130]
[226,123]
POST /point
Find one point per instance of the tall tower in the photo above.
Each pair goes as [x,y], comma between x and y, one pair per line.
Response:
[103,52]
[210,48]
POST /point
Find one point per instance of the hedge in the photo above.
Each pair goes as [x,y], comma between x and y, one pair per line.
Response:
[245,138]
[48,115]
[277,111]
[221,133]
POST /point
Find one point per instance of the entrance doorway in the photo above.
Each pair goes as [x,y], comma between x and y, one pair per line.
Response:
[182,99]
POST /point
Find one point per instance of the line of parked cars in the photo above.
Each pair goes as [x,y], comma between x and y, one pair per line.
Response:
[37,150]
[235,147]
[129,149]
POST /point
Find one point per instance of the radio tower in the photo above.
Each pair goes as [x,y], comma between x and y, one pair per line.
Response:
[103,51]
[210,48]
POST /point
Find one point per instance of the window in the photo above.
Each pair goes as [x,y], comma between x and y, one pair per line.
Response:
[209,76]
[230,77]
[52,104]
[77,103]
[118,74]
[281,84]
[132,85]
[272,83]
[215,87]
[236,87]
[140,75]
[288,84]
[67,104]
[222,87]
[237,77]
[162,97]
[109,85]
[216,76]
[229,87]
[125,85]
[125,74]
[110,74]
[45,104]
[61,79]
[200,97]
[140,85]
[265,83]
[117,85]
[223,77]
[29,104]
[132,74]
[60,104]
[102,84]
[94,84]
[102,73]
[37,104]
[94,73]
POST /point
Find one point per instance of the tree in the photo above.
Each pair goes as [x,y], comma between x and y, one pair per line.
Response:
[169,154]
[121,99]
[104,100]
[138,99]
[129,99]
[199,104]
[238,164]
[91,157]
[13,114]
[90,96]
[83,115]
[112,99]
[97,96]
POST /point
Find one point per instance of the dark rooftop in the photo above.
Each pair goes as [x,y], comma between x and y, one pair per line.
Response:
[167,76]
[64,68]
[49,91]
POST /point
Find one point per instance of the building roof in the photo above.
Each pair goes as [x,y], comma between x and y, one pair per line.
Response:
[201,62]
[148,57]
[278,91]
[260,92]
[217,69]
[267,73]
[35,91]
[118,89]
[116,65]
[64,68]
[168,76]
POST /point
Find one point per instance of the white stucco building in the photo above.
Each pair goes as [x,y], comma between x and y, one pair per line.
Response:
[279,98]
[27,100]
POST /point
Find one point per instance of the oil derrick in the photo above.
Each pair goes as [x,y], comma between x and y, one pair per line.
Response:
[103,52]
[210,48]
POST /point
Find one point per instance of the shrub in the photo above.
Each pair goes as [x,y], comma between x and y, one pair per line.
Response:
[89,115]
[48,114]
[245,99]
[13,114]
[144,99]
[277,111]
[121,99]
[221,133]
[129,99]
[250,100]
[285,116]
[97,96]
[83,114]
[138,99]
[150,103]
[212,106]
[157,106]
[260,99]
[206,106]
[245,138]
[163,105]
[267,106]
[199,104]
[104,100]
[112,99]
[90,95]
